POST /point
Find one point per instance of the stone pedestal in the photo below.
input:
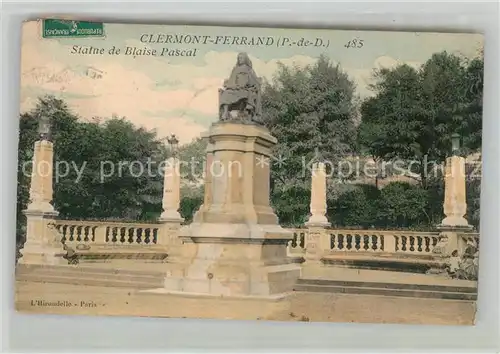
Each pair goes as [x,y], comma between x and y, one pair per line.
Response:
[455,206]
[318,197]
[170,217]
[317,222]
[171,192]
[43,242]
[235,246]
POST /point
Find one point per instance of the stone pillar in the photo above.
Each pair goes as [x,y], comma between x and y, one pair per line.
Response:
[318,196]
[454,207]
[170,218]
[43,242]
[317,222]
[171,192]
[235,245]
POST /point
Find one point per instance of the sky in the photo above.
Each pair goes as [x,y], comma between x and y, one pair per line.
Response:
[179,95]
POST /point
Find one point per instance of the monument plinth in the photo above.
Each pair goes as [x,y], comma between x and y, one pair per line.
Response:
[43,244]
[235,245]
[240,249]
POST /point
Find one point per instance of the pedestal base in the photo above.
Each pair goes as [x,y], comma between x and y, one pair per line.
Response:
[171,216]
[454,225]
[37,254]
[234,260]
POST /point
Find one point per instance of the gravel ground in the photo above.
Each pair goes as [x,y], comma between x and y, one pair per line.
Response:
[89,300]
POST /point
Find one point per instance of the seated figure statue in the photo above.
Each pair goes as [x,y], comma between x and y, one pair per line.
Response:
[241,92]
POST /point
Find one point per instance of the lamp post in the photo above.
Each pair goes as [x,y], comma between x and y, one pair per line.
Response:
[173,143]
[44,128]
[171,186]
[43,244]
[455,144]
[455,206]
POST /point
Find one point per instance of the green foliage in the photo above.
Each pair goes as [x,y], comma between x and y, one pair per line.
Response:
[402,205]
[312,112]
[309,109]
[291,205]
[102,170]
[414,112]
[356,207]
[192,157]
[191,200]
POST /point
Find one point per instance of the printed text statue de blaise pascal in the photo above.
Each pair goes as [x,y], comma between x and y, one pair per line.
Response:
[241,93]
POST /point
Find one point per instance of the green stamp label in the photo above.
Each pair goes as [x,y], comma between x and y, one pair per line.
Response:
[68,28]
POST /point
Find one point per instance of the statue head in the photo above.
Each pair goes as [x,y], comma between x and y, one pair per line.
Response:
[243,59]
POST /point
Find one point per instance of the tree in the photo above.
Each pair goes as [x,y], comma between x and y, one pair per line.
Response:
[311,111]
[101,170]
[414,112]
[357,206]
[192,157]
[191,200]
[402,205]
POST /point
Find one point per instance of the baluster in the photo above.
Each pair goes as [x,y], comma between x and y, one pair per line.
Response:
[404,240]
[62,229]
[294,240]
[155,236]
[419,243]
[130,238]
[122,231]
[302,240]
[114,234]
[78,233]
[340,242]
[139,235]
[397,246]
[366,243]
[411,243]
[72,233]
[147,235]
[86,230]
[349,242]
[373,243]
[93,233]
[332,242]
[357,243]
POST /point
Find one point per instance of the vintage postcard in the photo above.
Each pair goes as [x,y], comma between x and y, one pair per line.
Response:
[249,173]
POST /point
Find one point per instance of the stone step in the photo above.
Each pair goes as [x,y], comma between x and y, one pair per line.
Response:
[90,276]
[90,281]
[95,275]
[79,269]
[389,286]
[386,292]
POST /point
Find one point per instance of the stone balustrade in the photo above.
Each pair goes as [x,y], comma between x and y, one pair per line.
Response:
[108,233]
[376,241]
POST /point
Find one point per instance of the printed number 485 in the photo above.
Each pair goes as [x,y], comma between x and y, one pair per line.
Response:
[354,43]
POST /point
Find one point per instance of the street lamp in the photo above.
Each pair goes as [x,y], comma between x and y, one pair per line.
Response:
[44,128]
[174,144]
[455,143]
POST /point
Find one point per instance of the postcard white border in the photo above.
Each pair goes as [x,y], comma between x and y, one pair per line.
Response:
[72,333]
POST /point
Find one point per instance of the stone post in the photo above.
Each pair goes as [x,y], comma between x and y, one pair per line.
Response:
[43,242]
[454,207]
[170,217]
[317,222]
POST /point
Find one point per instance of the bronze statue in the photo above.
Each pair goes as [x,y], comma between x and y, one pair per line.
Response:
[241,92]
